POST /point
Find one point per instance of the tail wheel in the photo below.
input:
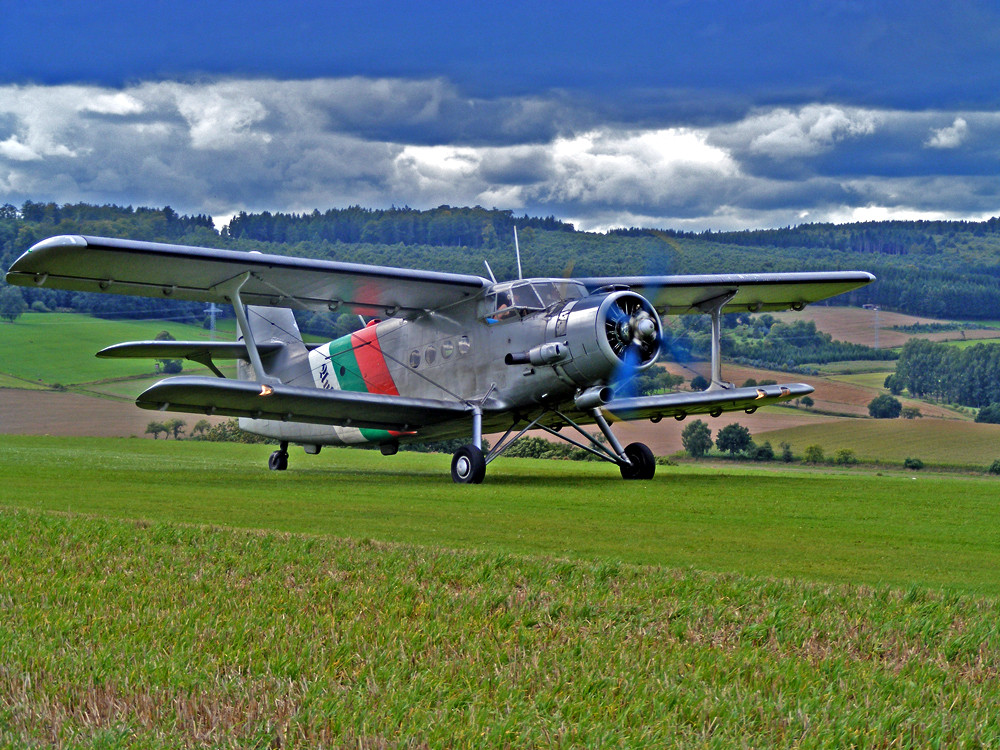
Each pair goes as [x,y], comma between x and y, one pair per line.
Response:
[468,466]
[278,461]
[643,463]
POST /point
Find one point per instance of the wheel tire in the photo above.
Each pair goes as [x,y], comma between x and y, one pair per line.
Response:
[277,461]
[468,466]
[643,463]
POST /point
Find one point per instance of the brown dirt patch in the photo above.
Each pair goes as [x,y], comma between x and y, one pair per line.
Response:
[31,412]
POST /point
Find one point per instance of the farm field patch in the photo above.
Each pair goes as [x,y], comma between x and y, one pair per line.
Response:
[948,442]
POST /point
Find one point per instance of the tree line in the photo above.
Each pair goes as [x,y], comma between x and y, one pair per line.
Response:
[969,376]
[926,268]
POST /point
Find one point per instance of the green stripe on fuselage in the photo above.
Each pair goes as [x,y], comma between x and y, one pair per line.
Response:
[348,374]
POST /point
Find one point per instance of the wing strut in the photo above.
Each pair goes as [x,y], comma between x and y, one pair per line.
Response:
[714,308]
[231,290]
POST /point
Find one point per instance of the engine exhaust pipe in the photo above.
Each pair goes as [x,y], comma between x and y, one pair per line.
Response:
[593,397]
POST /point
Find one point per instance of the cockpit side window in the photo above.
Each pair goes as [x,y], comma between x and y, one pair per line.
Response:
[524,296]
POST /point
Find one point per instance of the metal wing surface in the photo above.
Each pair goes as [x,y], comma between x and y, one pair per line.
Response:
[151,269]
[238,398]
[754,292]
[679,405]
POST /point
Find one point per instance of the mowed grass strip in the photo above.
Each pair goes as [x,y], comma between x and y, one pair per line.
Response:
[131,634]
[842,527]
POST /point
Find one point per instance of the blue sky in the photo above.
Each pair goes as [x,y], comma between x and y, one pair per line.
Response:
[690,115]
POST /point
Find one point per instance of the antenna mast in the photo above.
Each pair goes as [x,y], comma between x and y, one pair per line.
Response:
[517,249]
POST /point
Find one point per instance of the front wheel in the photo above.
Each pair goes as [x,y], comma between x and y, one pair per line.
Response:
[643,463]
[468,466]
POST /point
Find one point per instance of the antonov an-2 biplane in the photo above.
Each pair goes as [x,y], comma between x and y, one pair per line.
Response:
[444,355]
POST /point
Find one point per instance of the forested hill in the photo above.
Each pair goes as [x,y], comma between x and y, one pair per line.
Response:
[944,269]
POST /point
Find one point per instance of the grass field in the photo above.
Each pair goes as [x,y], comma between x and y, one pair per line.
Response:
[549,607]
[836,526]
[51,348]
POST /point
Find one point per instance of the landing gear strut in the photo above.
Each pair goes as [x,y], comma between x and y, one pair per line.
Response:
[635,461]
[278,461]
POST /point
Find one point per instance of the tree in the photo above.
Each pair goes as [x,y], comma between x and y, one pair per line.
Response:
[176,426]
[155,428]
[808,402]
[786,453]
[698,383]
[733,438]
[814,454]
[201,427]
[885,407]
[911,412]
[761,452]
[845,457]
[894,384]
[12,303]
[170,366]
[697,439]
[989,414]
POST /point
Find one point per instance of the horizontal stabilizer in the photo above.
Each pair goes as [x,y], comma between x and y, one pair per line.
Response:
[241,398]
[193,350]
[680,405]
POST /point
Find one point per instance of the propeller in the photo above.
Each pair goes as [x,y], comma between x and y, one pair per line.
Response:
[632,329]
[634,333]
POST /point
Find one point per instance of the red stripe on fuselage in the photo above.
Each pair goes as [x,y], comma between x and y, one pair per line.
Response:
[371,362]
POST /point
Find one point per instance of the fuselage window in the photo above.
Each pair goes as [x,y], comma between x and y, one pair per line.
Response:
[415,359]
[430,354]
[447,348]
[464,345]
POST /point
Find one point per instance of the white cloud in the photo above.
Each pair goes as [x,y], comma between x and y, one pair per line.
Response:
[950,137]
[14,150]
[222,146]
[113,104]
[788,134]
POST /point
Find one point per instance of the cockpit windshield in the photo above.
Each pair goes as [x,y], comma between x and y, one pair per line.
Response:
[518,298]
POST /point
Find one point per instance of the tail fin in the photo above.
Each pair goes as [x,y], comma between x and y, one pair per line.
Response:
[273,325]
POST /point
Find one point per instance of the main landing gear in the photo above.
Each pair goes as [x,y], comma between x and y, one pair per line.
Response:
[468,465]
[278,461]
[635,461]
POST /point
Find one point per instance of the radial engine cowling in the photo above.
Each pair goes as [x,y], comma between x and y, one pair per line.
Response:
[606,334]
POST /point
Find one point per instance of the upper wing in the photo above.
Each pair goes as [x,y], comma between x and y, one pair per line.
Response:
[239,398]
[679,405]
[150,269]
[676,295]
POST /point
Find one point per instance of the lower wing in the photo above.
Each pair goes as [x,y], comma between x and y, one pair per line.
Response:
[714,402]
[239,398]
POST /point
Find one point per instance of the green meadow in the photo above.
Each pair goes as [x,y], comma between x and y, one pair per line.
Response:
[59,348]
[159,595]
